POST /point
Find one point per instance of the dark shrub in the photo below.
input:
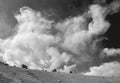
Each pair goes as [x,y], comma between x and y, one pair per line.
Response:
[54,70]
[24,66]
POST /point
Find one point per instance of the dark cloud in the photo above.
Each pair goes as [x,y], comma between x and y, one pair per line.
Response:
[60,9]
[63,8]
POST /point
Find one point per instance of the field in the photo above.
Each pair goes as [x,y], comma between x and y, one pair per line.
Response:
[19,75]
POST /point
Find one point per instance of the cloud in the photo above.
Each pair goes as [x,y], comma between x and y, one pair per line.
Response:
[106,69]
[111,52]
[69,44]
[31,43]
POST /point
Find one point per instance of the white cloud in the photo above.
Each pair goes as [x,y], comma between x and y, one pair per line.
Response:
[106,69]
[73,43]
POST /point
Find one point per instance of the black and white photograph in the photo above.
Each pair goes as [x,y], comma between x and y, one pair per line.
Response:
[59,41]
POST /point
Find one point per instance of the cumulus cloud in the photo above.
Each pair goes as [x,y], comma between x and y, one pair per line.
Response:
[111,52]
[98,25]
[34,46]
[32,42]
[106,69]
[40,43]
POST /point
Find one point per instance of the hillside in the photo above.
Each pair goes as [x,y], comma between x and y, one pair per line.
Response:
[18,75]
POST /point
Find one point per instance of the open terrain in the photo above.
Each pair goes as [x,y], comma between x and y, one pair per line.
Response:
[19,75]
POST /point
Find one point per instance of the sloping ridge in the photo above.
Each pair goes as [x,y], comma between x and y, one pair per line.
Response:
[18,75]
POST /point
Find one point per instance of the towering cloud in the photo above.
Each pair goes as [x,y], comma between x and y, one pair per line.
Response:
[70,44]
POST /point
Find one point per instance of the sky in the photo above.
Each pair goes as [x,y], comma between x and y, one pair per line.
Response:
[113,32]
[61,9]
[78,35]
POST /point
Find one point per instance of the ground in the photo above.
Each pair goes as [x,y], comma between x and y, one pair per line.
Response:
[18,75]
